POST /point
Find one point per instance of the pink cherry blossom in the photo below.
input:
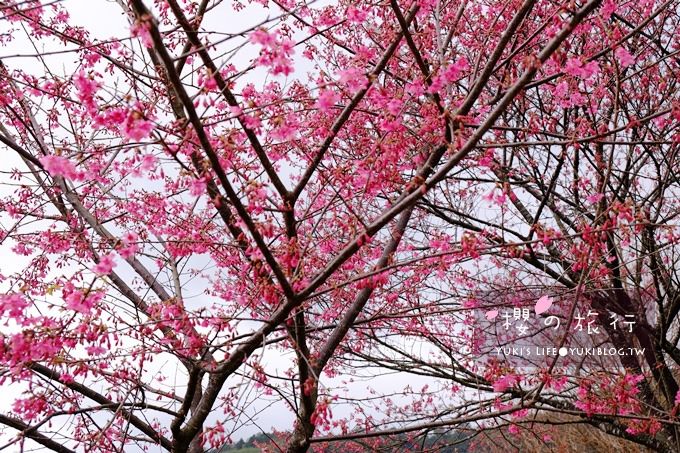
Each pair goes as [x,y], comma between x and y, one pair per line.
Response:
[86,88]
[327,100]
[276,51]
[141,30]
[136,127]
[263,37]
[354,79]
[60,166]
[356,15]
[105,265]
[595,198]
[505,382]
[14,304]
[130,246]
[583,70]
[624,57]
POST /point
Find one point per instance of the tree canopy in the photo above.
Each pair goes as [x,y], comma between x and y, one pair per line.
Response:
[369,220]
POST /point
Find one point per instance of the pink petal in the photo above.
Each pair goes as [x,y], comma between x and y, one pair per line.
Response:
[543,304]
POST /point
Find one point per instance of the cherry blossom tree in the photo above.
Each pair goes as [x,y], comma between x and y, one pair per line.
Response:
[201,214]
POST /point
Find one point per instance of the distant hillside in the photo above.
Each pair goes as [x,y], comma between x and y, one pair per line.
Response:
[455,442]
[246,446]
